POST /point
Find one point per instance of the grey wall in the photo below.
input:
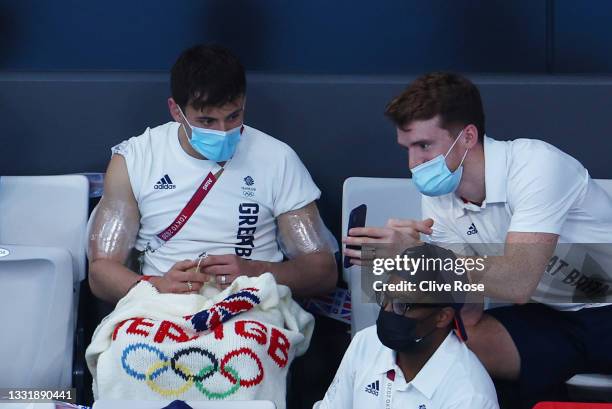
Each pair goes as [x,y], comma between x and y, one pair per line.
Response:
[66,122]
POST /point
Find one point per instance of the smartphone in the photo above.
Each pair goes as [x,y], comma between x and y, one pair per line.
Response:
[357,218]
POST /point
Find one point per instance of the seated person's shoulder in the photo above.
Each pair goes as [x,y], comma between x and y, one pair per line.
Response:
[468,375]
[529,146]
[366,335]
[130,159]
[537,166]
[269,147]
[525,152]
[146,139]
[365,345]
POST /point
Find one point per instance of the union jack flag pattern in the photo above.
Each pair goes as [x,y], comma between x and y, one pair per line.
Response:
[226,309]
[335,305]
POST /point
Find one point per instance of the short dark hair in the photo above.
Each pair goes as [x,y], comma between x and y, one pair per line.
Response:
[207,75]
[454,98]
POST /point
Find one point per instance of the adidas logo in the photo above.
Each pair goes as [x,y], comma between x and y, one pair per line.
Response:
[373,388]
[164,183]
[472,230]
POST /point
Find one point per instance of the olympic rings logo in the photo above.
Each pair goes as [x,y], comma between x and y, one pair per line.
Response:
[190,378]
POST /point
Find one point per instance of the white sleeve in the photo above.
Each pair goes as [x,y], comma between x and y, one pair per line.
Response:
[339,395]
[543,187]
[295,188]
[133,152]
[474,402]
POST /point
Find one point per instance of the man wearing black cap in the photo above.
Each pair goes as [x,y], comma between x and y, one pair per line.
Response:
[414,357]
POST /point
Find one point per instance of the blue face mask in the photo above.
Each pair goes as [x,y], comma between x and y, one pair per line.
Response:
[434,178]
[218,146]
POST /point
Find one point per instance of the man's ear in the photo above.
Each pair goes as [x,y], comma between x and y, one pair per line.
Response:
[174,110]
[470,136]
[445,317]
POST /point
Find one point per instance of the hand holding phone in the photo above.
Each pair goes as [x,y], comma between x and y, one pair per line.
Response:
[357,218]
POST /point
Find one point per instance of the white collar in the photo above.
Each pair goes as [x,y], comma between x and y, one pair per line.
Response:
[431,374]
[496,176]
[496,171]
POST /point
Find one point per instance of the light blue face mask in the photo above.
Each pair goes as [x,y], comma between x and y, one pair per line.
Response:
[218,146]
[434,178]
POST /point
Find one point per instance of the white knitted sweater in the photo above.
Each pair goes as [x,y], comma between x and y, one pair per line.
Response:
[236,344]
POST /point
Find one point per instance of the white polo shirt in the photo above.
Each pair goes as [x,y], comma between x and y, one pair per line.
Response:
[369,377]
[531,186]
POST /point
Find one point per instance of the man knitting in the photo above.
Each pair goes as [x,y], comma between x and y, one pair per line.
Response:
[213,207]
[207,183]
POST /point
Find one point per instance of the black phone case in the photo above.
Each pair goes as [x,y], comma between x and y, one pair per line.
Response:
[357,218]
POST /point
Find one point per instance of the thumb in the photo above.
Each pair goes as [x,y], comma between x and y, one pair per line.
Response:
[425,226]
[428,222]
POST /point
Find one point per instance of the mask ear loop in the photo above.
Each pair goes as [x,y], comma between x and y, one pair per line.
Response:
[453,145]
[462,159]
[430,332]
[185,118]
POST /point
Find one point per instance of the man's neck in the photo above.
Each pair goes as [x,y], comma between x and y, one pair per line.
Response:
[473,186]
[411,363]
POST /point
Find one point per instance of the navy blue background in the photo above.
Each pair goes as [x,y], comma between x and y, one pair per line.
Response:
[314,37]
[77,77]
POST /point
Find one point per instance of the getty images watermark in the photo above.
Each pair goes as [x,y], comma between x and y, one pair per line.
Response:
[422,274]
[435,268]
[575,272]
